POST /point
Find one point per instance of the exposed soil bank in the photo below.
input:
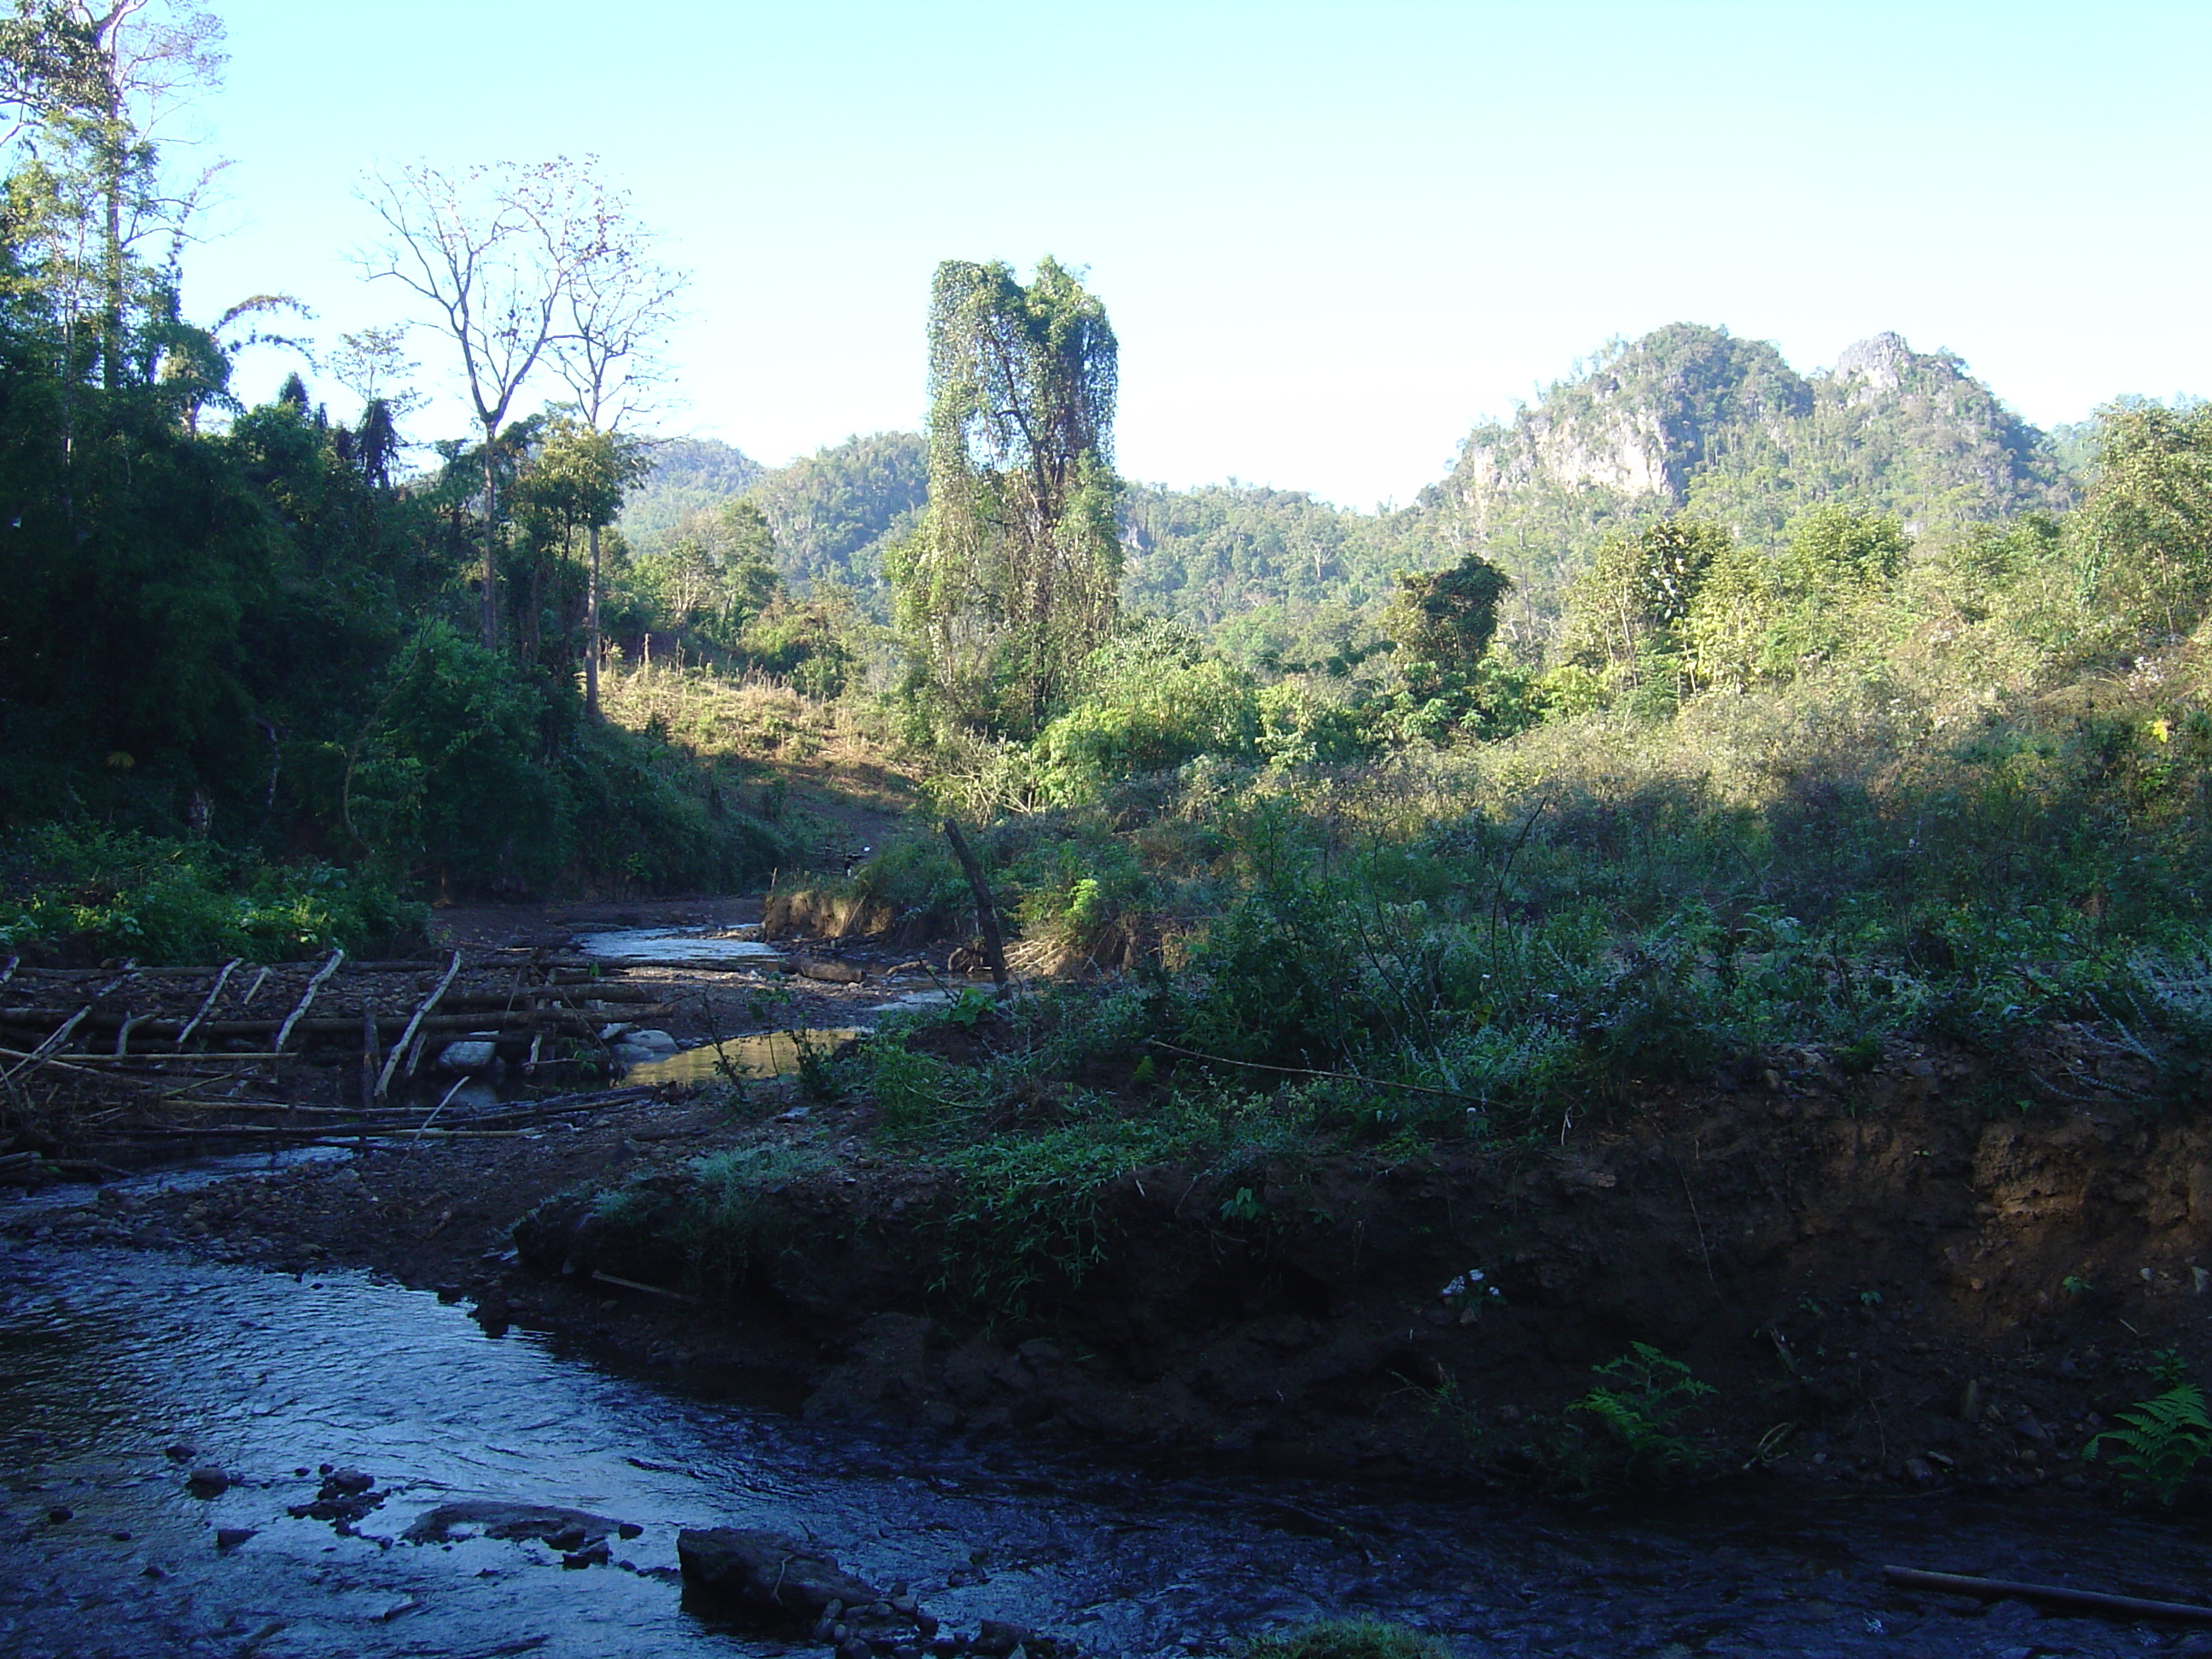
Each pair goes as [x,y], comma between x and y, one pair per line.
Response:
[1881,1285]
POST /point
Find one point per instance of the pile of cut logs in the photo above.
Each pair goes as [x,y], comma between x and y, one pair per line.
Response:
[130,1033]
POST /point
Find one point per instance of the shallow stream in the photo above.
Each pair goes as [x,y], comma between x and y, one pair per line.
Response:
[125,1371]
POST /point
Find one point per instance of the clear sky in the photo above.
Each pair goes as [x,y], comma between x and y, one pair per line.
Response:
[1330,236]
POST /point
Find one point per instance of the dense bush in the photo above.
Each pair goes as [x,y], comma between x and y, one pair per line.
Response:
[73,893]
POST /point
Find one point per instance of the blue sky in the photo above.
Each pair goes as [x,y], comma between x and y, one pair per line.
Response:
[1330,236]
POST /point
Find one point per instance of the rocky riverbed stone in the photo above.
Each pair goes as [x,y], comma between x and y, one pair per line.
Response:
[570,1531]
[779,1579]
[476,1053]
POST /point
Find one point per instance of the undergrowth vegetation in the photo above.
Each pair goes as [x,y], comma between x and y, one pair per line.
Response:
[70,894]
[1345,1638]
[1234,962]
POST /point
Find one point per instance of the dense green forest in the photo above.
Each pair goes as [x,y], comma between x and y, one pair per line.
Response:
[273,675]
[265,680]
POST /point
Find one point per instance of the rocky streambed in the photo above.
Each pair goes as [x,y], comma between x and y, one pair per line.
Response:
[337,1402]
[166,1424]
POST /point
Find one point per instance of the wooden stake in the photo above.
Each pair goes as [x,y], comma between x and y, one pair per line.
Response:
[307,996]
[986,913]
[407,1037]
[214,991]
[369,1053]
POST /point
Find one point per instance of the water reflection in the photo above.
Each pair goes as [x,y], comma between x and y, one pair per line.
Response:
[771,1054]
[119,1372]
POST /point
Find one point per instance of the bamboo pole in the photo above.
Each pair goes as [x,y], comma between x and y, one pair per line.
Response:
[2057,1595]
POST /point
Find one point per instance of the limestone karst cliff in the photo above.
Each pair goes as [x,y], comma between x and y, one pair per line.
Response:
[1693,419]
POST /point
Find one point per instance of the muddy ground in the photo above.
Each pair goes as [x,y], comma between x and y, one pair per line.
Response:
[1882,1283]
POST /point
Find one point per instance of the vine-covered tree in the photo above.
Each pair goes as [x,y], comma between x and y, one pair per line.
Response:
[1014,574]
[1627,609]
[1445,618]
[2145,534]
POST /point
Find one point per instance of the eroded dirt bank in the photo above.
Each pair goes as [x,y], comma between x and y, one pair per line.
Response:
[1880,1284]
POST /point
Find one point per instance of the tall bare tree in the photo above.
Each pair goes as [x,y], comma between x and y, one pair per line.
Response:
[617,310]
[492,252]
[148,59]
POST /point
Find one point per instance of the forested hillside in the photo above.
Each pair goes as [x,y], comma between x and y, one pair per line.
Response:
[1686,419]
[687,477]
[830,514]
[1690,418]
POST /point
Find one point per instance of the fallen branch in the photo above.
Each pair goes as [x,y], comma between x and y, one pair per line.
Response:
[386,1124]
[40,1055]
[49,1063]
[650,1290]
[459,1085]
[1300,1071]
[550,1018]
[1991,1590]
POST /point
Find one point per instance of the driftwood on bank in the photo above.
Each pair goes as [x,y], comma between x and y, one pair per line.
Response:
[2055,1595]
[534,1018]
[391,1124]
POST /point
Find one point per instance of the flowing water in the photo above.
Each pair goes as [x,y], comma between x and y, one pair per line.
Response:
[116,1363]
[678,947]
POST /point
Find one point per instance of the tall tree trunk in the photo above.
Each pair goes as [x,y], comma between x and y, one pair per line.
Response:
[111,275]
[491,545]
[592,631]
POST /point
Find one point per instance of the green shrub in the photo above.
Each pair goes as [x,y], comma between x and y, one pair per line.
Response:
[483,780]
[1028,1211]
[1147,702]
[2164,1439]
[1346,1639]
[721,1221]
[82,891]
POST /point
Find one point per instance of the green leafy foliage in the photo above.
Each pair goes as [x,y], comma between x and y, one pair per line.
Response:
[1147,702]
[2163,1442]
[1345,1638]
[77,892]
[1637,1412]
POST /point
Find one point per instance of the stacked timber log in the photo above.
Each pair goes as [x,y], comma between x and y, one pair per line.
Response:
[121,1052]
[333,1006]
